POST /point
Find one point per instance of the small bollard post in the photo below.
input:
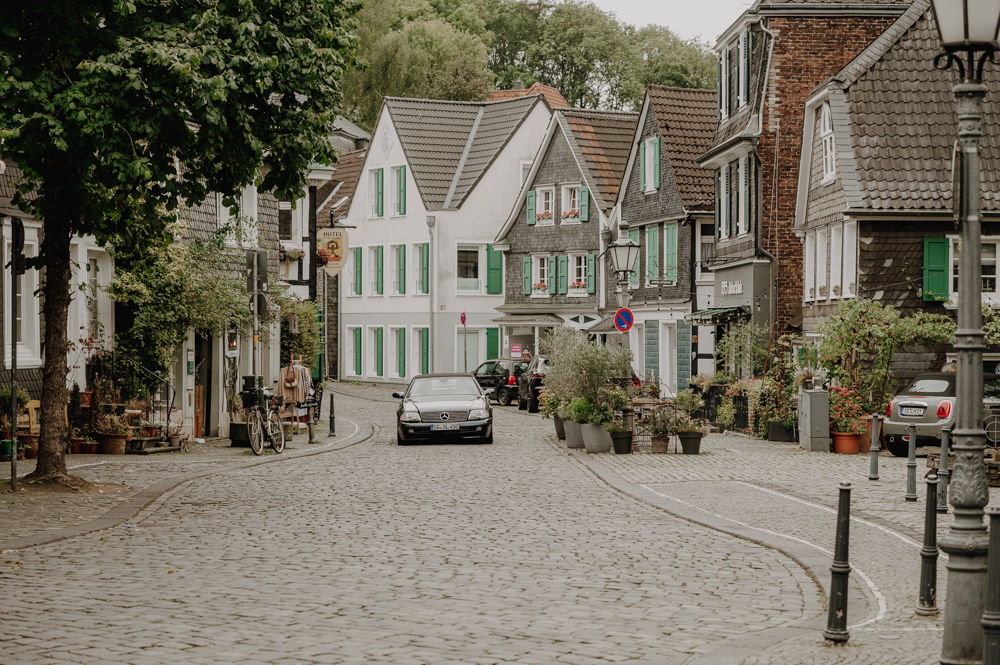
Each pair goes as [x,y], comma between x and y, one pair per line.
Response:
[927,603]
[836,623]
[333,420]
[873,472]
[943,473]
[911,466]
[991,613]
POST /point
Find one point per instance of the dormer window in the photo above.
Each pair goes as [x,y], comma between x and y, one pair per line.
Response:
[826,136]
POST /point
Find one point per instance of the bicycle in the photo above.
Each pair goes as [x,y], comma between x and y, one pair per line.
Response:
[264,422]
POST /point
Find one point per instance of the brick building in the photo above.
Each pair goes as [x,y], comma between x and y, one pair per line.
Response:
[770,61]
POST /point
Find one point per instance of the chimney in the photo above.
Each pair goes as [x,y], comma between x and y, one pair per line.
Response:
[518,84]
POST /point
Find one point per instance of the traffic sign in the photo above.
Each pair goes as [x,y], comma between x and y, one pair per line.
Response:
[623,319]
[463,318]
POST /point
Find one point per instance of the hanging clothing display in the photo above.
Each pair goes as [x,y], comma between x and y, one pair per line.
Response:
[292,384]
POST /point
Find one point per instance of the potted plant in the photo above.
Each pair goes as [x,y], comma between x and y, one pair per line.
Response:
[836,289]
[621,437]
[89,446]
[174,434]
[5,447]
[291,254]
[578,288]
[75,441]
[540,288]
[702,382]
[596,438]
[571,214]
[112,430]
[690,431]
[150,429]
[580,409]
[550,404]
[846,420]
[323,256]
[811,291]
[822,290]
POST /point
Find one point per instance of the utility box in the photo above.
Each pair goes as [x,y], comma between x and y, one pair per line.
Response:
[814,420]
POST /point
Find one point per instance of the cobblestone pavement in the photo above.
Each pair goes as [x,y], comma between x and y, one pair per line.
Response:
[510,553]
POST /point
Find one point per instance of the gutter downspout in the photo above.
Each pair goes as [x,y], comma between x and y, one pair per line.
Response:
[430,294]
[760,186]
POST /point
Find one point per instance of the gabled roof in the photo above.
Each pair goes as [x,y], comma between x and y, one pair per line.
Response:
[601,141]
[9,181]
[687,119]
[450,145]
[344,126]
[551,95]
[336,196]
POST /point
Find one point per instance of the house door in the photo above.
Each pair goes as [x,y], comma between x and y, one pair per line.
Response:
[202,384]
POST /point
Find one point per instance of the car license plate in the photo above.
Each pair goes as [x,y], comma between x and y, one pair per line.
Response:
[444,426]
[911,411]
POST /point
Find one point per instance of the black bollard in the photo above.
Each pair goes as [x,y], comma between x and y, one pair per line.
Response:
[927,603]
[836,623]
[943,472]
[333,420]
[873,471]
[911,466]
[991,613]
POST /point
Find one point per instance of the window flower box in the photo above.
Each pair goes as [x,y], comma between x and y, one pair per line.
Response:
[543,216]
[540,288]
[571,214]
[578,289]
[822,291]
[836,290]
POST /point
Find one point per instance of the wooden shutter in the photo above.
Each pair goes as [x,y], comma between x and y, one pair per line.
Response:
[718,88]
[378,351]
[642,165]
[402,190]
[633,278]
[401,351]
[494,271]
[746,65]
[526,275]
[358,273]
[425,264]
[425,336]
[530,203]
[652,253]
[379,192]
[563,284]
[726,208]
[584,204]
[591,273]
[378,270]
[401,267]
[492,343]
[718,204]
[670,252]
[748,224]
[552,279]
[656,162]
[357,351]
[683,354]
[936,269]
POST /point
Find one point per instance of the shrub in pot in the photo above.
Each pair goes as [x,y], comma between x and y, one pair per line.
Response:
[846,420]
[550,404]
[596,438]
[113,431]
[661,427]
[690,431]
[580,409]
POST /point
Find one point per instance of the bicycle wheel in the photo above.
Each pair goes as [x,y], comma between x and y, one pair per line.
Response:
[275,431]
[256,432]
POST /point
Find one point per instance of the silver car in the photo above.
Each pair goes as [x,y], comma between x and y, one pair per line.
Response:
[929,403]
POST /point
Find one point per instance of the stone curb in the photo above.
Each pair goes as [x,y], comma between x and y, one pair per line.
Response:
[128,510]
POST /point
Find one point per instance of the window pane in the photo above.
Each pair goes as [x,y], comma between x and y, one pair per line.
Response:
[989,265]
[468,269]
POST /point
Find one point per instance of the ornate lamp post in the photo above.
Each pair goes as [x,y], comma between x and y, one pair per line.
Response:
[968,31]
[623,253]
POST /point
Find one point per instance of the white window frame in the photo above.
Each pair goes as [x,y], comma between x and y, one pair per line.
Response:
[701,272]
[372,191]
[373,270]
[648,153]
[417,262]
[990,297]
[393,352]
[540,193]
[394,191]
[396,275]
[536,274]
[741,69]
[572,277]
[849,276]
[246,204]
[525,171]
[481,258]
[742,193]
[822,248]
[567,203]
[809,268]
[836,261]
[349,266]
[29,352]
[371,368]
[828,143]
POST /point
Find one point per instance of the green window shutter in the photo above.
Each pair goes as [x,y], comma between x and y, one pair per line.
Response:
[401,268]
[401,351]
[378,270]
[378,351]
[379,198]
[358,274]
[563,285]
[642,165]
[531,207]
[402,190]
[553,279]
[526,274]
[425,336]
[425,274]
[652,253]
[683,354]
[357,351]
[670,252]
[591,273]
[584,204]
[494,271]
[936,269]
[656,162]
[492,343]
[633,278]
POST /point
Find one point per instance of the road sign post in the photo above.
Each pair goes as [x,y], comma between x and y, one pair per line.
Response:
[465,344]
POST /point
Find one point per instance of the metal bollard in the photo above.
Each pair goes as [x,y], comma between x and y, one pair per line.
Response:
[943,473]
[873,472]
[991,613]
[911,466]
[836,622]
[333,420]
[927,603]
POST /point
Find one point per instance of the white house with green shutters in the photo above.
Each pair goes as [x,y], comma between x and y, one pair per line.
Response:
[435,189]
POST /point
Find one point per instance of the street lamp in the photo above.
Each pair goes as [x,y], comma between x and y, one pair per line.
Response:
[623,254]
[968,32]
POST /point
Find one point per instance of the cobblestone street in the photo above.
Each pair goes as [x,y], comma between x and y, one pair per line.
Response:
[519,552]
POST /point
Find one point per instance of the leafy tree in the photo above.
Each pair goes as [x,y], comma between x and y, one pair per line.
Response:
[514,25]
[101,101]
[672,61]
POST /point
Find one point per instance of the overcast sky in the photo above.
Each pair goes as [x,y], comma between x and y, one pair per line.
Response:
[688,18]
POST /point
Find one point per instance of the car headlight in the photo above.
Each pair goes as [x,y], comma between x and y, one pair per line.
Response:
[409,417]
[477,414]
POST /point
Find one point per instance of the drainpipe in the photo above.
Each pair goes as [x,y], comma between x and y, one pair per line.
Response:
[760,187]
[430,295]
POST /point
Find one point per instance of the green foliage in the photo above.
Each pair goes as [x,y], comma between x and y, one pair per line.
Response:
[579,367]
[742,350]
[725,413]
[306,342]
[669,60]
[689,401]
[580,410]
[5,406]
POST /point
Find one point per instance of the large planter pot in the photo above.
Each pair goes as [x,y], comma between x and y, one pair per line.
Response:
[622,442]
[239,436]
[150,432]
[846,444]
[690,442]
[866,434]
[89,448]
[113,444]
[596,438]
[175,441]
[574,437]
[31,441]
[660,444]
[560,430]
[75,445]
[776,431]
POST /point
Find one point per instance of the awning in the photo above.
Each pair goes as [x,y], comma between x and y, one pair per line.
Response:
[717,316]
[605,325]
[543,320]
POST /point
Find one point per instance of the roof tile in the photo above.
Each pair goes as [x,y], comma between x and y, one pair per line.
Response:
[687,119]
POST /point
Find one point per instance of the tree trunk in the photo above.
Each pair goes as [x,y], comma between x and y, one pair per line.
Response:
[55,310]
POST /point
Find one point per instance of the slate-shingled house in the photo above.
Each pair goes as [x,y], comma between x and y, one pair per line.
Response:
[552,237]
[406,286]
[874,204]
[667,201]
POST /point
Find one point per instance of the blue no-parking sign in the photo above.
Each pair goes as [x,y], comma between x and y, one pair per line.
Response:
[623,319]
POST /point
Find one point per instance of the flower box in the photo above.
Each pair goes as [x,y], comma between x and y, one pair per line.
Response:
[540,287]
[571,214]
[543,216]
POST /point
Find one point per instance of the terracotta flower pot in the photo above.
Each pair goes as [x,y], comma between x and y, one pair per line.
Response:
[846,444]
[75,445]
[150,432]
[89,448]
[113,444]
[31,441]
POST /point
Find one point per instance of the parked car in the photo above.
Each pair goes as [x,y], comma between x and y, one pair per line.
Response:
[529,384]
[442,407]
[501,374]
[929,402]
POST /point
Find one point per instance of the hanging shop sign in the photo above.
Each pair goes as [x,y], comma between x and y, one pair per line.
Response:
[332,241]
